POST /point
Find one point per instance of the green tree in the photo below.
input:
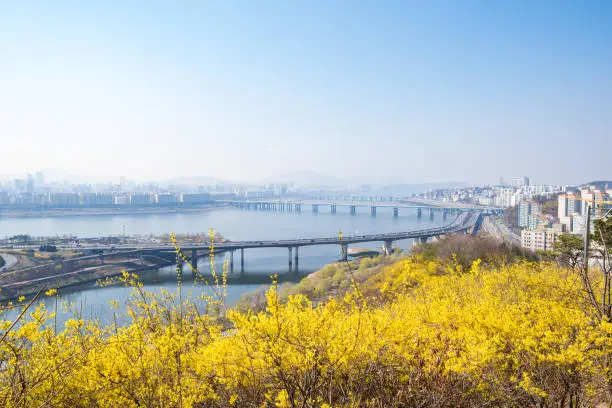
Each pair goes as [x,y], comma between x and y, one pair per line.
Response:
[602,238]
[603,233]
[568,250]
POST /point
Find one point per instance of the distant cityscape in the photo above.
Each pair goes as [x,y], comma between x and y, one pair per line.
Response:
[537,213]
[32,190]
[538,229]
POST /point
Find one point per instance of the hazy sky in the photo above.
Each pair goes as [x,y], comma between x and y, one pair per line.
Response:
[421,91]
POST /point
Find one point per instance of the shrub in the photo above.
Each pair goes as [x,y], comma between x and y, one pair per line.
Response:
[517,335]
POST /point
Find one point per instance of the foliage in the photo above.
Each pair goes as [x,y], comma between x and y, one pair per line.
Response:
[568,250]
[602,238]
[201,237]
[440,335]
[550,204]
[47,248]
[20,238]
[333,280]
[466,249]
[603,232]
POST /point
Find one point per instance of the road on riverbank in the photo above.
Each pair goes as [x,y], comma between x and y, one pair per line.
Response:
[495,227]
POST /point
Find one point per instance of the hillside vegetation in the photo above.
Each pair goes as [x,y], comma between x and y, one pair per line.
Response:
[425,330]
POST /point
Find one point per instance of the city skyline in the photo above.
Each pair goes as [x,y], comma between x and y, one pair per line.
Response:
[398,91]
[300,179]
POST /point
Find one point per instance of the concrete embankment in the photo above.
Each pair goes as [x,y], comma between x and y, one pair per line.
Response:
[82,211]
[27,282]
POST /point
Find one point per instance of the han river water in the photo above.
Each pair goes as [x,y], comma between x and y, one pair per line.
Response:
[233,224]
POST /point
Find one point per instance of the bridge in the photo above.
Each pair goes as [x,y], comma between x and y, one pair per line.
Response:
[298,205]
[465,221]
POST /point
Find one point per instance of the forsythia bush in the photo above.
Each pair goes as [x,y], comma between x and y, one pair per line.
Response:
[517,336]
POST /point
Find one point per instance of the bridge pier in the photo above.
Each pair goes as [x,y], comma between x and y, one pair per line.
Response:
[423,240]
[194,263]
[231,265]
[333,208]
[315,208]
[179,268]
[344,252]
[194,258]
[419,213]
[395,211]
[388,247]
[241,261]
[431,213]
[353,210]
[298,207]
[444,214]
[373,210]
[296,259]
[290,268]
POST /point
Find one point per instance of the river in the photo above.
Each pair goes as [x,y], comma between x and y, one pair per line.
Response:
[234,224]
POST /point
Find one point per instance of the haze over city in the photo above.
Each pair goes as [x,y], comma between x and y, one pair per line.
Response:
[291,203]
[394,91]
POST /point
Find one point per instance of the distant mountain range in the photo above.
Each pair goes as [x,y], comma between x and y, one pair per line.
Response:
[406,189]
[307,179]
[601,184]
[378,187]
[193,181]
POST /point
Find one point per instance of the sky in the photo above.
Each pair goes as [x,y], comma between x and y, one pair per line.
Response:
[408,91]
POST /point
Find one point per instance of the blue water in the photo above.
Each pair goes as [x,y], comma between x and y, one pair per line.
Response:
[234,224]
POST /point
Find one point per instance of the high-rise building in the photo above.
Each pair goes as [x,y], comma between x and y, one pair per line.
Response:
[562,206]
[525,181]
[523,214]
[536,221]
[573,205]
[541,239]
[40,180]
[596,199]
[577,226]
[20,185]
[526,209]
[30,185]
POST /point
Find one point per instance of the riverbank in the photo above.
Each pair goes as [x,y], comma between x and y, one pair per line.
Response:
[24,283]
[78,211]
[420,314]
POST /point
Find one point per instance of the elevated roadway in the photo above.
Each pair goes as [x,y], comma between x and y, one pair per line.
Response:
[463,222]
